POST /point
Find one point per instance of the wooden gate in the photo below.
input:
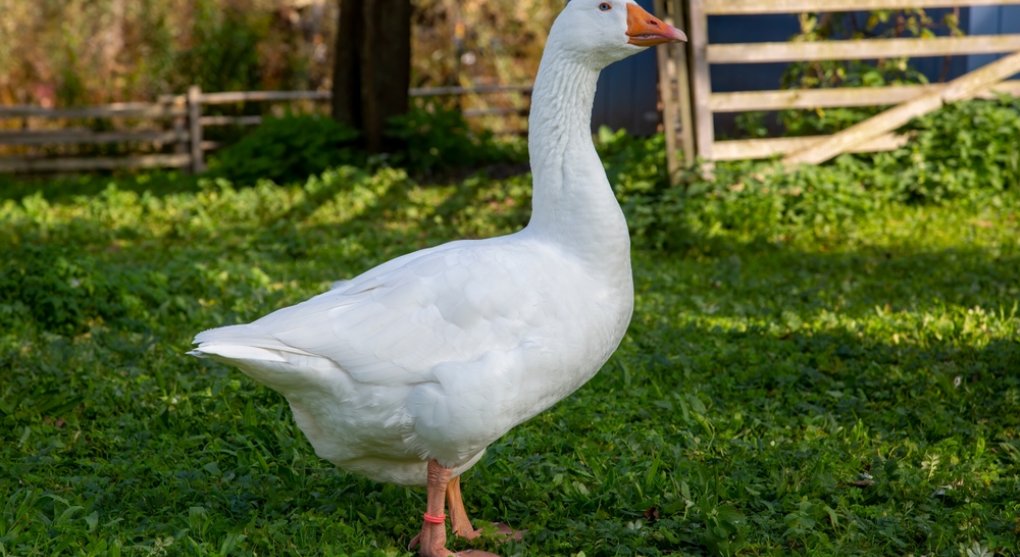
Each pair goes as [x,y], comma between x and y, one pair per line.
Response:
[690,104]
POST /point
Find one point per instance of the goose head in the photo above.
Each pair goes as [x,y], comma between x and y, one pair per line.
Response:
[600,32]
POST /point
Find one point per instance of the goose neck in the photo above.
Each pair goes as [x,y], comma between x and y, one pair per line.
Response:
[572,200]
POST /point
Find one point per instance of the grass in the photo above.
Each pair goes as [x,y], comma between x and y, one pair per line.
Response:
[814,389]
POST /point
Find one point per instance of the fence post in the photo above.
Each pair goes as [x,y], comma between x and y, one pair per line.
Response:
[684,87]
[701,87]
[195,127]
[667,77]
[674,89]
[176,103]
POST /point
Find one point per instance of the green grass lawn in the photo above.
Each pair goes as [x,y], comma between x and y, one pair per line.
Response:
[813,388]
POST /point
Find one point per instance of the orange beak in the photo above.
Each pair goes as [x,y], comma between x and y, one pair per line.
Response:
[644,29]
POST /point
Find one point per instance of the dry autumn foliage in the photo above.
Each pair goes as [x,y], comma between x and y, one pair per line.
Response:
[73,52]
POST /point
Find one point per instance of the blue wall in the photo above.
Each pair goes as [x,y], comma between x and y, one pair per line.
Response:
[990,20]
[748,29]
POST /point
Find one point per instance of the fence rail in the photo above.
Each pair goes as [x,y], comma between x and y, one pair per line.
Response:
[78,137]
[115,110]
[175,123]
[863,49]
[756,7]
[829,98]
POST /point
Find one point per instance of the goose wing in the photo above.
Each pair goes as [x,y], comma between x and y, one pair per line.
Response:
[397,322]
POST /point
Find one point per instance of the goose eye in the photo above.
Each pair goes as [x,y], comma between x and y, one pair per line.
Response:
[605,6]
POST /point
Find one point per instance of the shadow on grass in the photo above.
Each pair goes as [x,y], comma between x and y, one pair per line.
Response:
[767,282]
[78,269]
[63,188]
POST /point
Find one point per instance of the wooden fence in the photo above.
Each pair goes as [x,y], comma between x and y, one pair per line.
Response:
[690,104]
[172,132]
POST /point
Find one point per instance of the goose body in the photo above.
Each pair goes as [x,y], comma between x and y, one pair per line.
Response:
[434,355]
[407,372]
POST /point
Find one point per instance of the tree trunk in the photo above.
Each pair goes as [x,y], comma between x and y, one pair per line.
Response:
[372,72]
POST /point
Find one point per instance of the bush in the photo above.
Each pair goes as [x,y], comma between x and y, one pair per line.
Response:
[288,149]
[438,139]
[960,151]
[435,140]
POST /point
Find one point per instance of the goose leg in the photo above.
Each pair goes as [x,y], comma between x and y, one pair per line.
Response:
[461,524]
[459,521]
[432,539]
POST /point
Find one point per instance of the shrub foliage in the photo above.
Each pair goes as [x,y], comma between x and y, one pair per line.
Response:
[287,149]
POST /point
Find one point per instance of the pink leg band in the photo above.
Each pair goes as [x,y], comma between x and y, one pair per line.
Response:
[435,519]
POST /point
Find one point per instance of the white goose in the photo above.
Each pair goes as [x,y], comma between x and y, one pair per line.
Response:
[409,371]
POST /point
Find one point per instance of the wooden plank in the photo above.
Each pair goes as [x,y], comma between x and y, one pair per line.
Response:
[230,120]
[754,7]
[476,90]
[77,137]
[683,84]
[220,120]
[137,110]
[179,123]
[744,149]
[701,89]
[495,111]
[195,128]
[675,93]
[16,132]
[843,97]
[859,49]
[27,164]
[958,89]
[227,97]
[665,60]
